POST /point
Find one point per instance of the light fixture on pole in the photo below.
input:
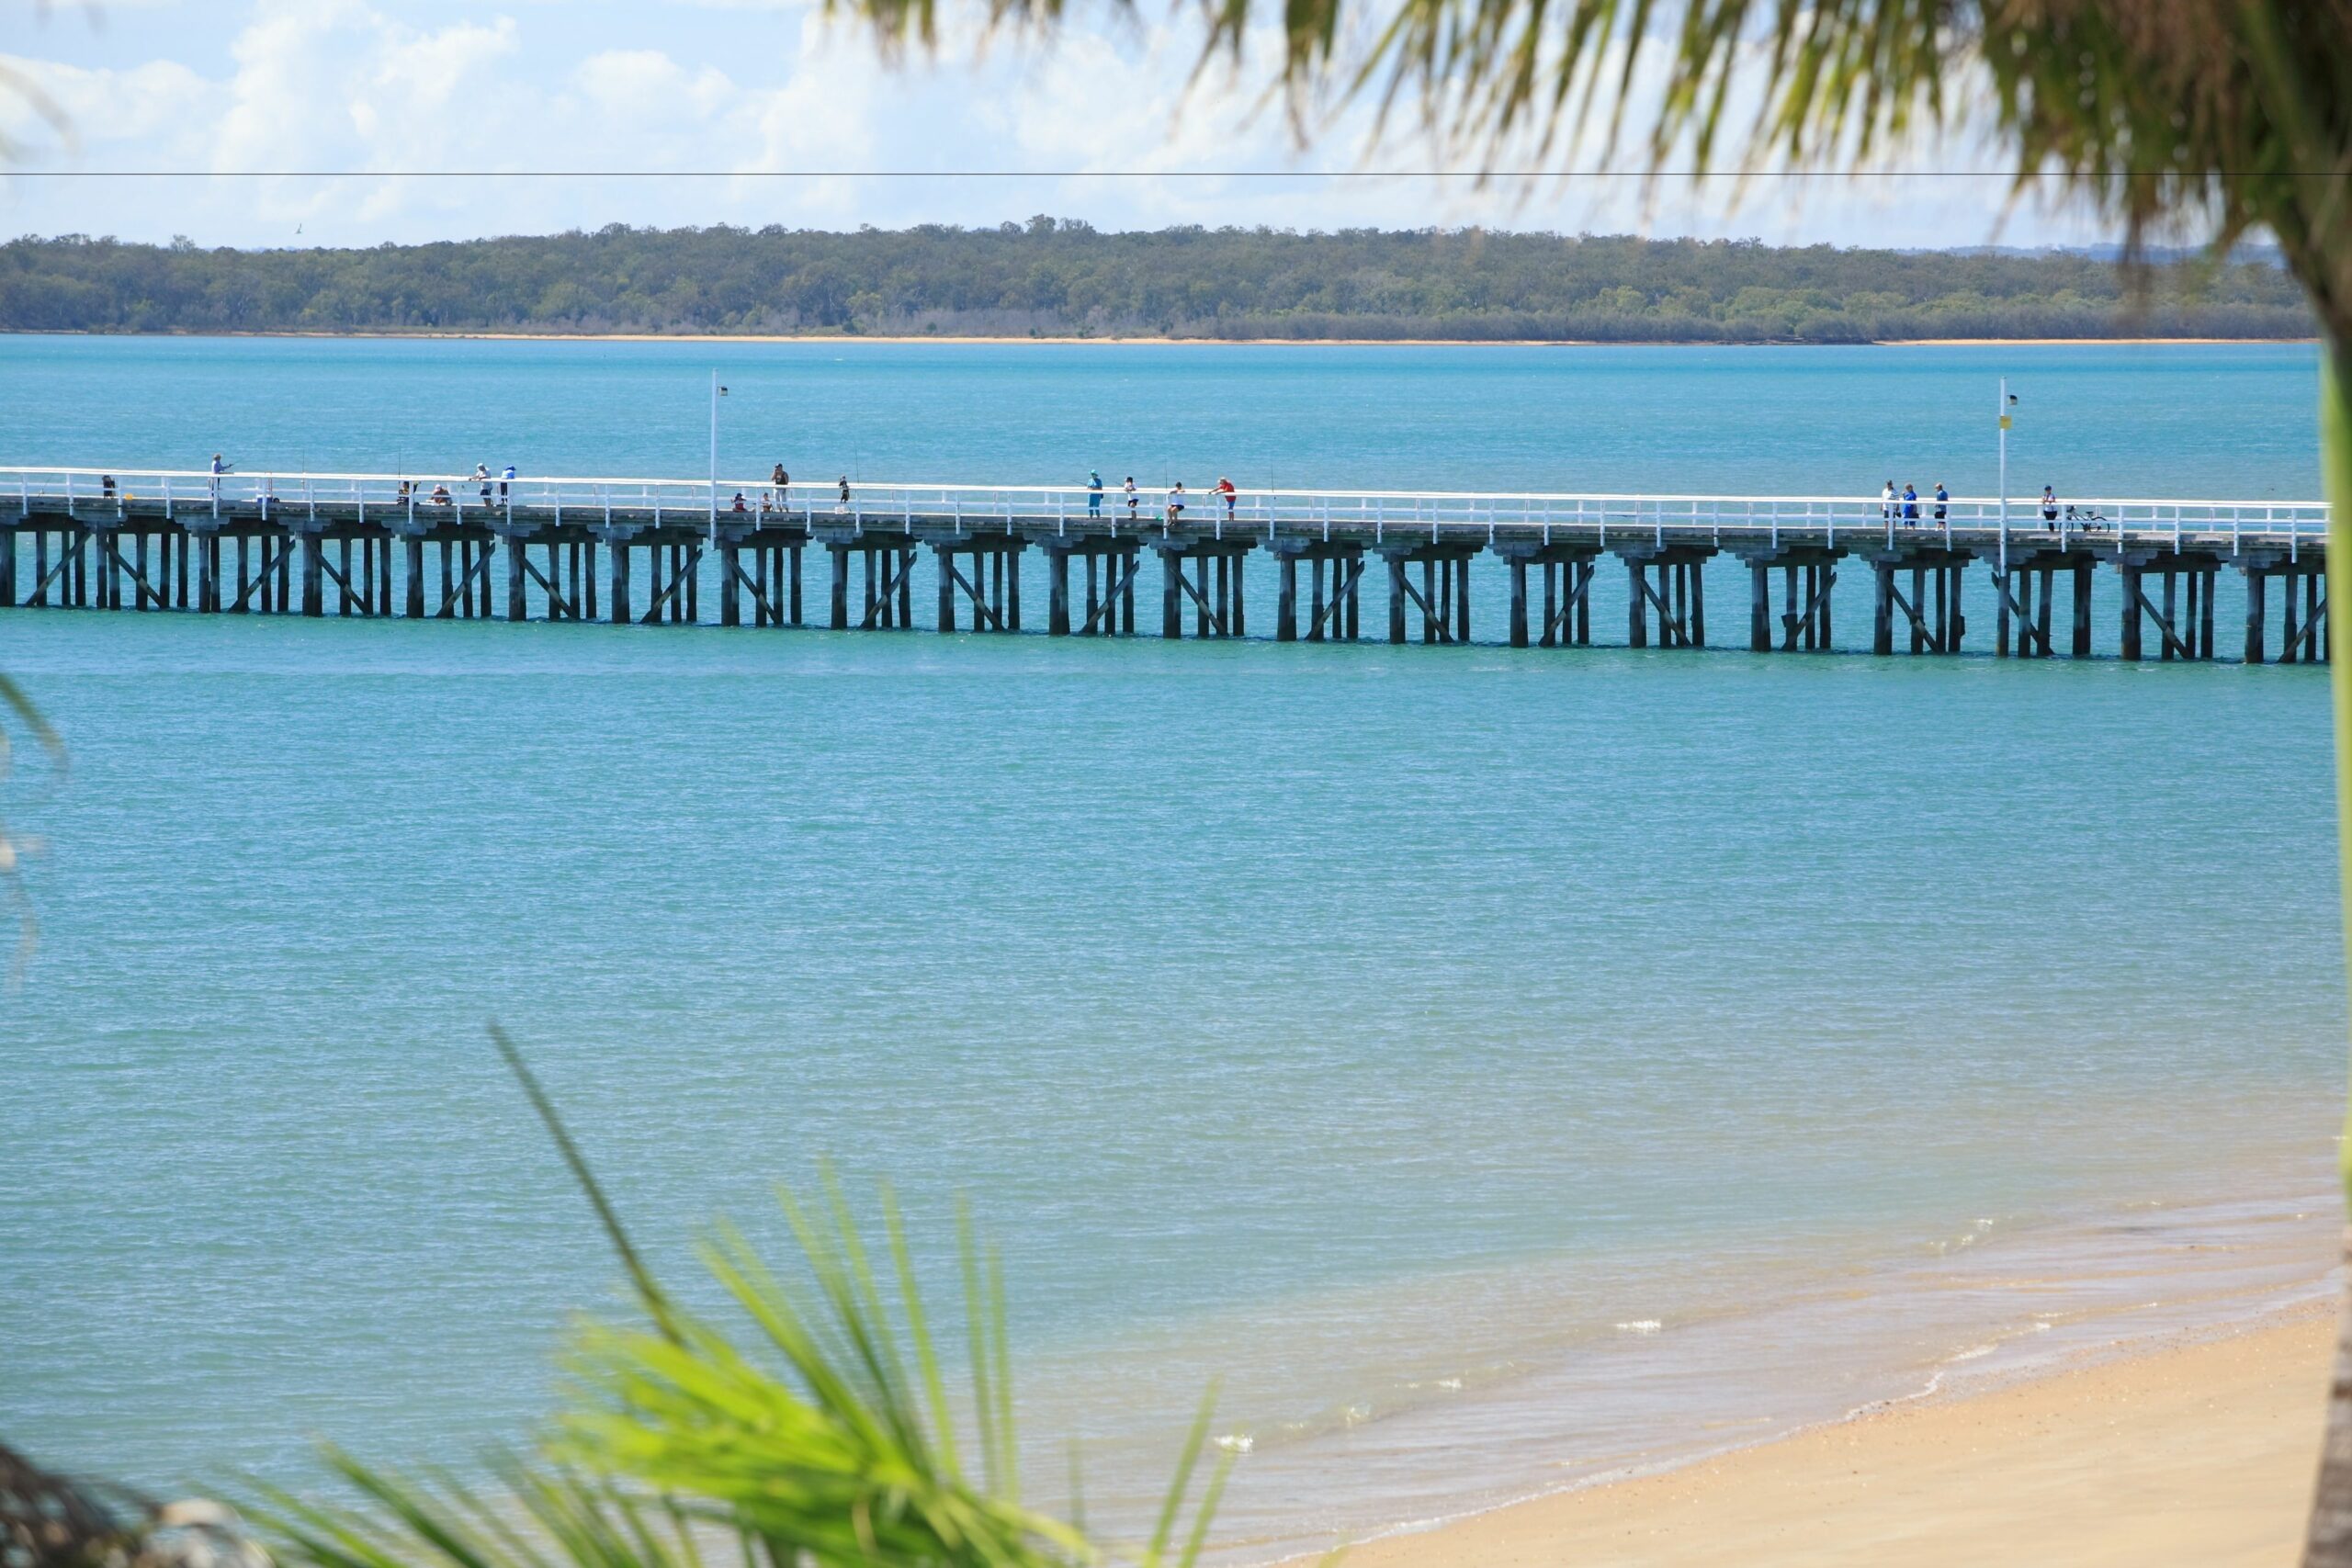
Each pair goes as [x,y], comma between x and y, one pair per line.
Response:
[2009,400]
[716,392]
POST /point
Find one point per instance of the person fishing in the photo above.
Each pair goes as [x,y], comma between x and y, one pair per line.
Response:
[1224,488]
[1886,501]
[1175,501]
[1093,494]
[843,506]
[1943,500]
[1910,503]
[783,482]
[2049,508]
[1133,497]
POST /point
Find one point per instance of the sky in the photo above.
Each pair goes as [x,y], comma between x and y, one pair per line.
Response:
[695,112]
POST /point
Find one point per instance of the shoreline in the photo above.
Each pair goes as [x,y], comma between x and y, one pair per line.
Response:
[2196,1447]
[1149,342]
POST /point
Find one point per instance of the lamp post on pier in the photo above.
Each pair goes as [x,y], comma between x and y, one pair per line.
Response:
[2004,406]
[716,392]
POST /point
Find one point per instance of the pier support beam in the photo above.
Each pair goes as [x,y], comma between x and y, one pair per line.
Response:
[1171,604]
[413,547]
[1517,603]
[2257,603]
[314,600]
[2131,628]
[517,604]
[1056,592]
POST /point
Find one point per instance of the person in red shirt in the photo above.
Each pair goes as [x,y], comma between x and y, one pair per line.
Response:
[1225,489]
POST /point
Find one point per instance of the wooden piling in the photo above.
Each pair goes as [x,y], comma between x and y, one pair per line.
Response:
[1171,604]
[2081,606]
[1286,601]
[1882,609]
[313,575]
[1057,592]
[1637,619]
[2130,610]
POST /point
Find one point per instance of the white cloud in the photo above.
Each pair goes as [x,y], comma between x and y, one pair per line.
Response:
[379,89]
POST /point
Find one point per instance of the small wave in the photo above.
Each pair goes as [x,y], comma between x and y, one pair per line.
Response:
[1975,1352]
[1236,1442]
[1640,1326]
[1450,1385]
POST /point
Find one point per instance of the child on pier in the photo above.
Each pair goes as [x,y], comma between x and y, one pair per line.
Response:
[1133,498]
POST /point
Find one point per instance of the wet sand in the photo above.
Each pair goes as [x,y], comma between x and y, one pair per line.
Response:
[2199,1453]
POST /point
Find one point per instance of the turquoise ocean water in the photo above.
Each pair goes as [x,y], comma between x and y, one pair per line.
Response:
[1503,1068]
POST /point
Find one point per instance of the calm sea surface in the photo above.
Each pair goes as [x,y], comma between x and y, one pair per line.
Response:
[1501,1068]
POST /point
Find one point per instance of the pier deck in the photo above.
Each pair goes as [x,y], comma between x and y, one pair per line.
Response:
[443,547]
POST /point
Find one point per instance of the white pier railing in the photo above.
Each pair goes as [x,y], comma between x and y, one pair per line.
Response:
[1472,516]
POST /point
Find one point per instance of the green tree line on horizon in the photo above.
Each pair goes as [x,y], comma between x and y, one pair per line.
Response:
[1052,277]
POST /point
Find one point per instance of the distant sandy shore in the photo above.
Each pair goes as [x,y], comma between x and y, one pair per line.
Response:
[1202,342]
[2192,1453]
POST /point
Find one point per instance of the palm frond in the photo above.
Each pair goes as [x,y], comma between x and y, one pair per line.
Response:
[822,1435]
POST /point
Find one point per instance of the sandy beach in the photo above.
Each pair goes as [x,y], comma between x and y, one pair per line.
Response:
[2189,1453]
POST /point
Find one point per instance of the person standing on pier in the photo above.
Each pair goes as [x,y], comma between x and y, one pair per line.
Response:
[1133,498]
[843,507]
[481,476]
[219,467]
[1224,488]
[1910,502]
[1943,500]
[2049,507]
[1886,501]
[1094,493]
[505,480]
[783,482]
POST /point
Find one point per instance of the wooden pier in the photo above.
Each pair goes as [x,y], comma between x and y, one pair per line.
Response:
[647,550]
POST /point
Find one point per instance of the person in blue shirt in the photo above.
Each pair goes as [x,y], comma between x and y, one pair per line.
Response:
[1094,493]
[1943,499]
[1910,503]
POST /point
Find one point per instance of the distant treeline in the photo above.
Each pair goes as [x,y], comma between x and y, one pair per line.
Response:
[1052,278]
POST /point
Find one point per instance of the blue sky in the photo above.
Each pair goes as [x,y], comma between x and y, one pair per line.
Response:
[1103,123]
